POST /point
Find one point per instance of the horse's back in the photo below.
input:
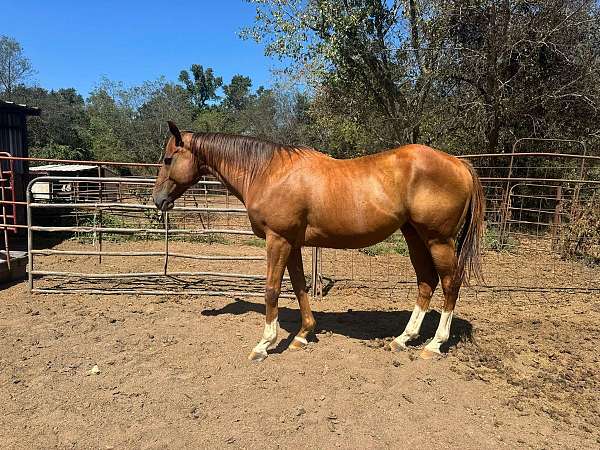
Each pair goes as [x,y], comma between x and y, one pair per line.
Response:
[318,200]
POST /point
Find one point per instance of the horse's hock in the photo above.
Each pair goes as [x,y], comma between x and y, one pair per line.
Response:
[104,235]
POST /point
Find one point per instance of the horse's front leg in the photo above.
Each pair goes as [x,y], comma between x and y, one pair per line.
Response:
[296,271]
[278,251]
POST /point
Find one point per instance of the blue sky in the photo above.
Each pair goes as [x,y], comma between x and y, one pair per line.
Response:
[75,43]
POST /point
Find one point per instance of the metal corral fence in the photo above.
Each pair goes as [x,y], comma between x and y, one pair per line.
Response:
[541,234]
[102,235]
[543,216]
[116,222]
[542,228]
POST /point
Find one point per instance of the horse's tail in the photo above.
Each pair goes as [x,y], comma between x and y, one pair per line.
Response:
[469,242]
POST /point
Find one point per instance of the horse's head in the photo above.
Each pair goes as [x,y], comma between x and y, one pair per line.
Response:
[180,169]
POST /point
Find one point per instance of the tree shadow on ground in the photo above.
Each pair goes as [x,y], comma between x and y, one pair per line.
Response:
[363,325]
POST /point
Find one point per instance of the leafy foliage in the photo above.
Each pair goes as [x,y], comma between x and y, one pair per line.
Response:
[461,74]
[581,238]
[237,93]
[14,66]
[494,242]
[201,86]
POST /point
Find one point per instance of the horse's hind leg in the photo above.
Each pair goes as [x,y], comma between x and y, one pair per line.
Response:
[427,280]
[445,260]
[278,251]
[296,271]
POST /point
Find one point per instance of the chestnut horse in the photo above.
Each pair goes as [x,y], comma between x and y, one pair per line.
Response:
[297,196]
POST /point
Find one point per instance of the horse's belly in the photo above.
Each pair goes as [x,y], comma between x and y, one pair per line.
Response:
[349,236]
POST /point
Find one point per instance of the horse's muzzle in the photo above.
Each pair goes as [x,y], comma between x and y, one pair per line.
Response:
[163,202]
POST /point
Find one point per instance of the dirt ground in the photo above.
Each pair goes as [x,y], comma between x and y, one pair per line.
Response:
[522,368]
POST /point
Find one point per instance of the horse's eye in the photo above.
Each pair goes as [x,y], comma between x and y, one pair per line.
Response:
[167,161]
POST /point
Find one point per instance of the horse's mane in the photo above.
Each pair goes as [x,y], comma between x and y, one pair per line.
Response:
[239,152]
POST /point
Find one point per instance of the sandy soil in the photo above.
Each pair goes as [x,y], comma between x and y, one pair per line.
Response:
[522,369]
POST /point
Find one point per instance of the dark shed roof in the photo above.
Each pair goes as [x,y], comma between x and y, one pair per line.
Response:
[18,108]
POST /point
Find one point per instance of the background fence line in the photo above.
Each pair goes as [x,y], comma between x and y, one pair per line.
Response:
[536,204]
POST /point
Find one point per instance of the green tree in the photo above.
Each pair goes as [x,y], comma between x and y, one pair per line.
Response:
[467,74]
[202,86]
[14,65]
[362,53]
[110,122]
[520,68]
[165,101]
[129,124]
[63,122]
[57,151]
[237,93]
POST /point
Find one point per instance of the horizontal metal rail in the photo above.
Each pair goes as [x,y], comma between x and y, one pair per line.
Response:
[88,162]
[529,154]
[12,202]
[150,274]
[105,180]
[48,252]
[154,292]
[117,230]
[86,205]
[112,207]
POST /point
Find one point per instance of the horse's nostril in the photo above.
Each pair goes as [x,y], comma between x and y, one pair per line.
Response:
[163,203]
[159,201]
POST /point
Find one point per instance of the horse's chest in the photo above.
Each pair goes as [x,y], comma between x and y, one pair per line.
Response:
[279,219]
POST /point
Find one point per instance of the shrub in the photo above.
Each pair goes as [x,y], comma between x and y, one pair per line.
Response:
[581,236]
[492,241]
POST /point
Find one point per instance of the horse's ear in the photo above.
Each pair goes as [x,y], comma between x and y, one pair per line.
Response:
[176,133]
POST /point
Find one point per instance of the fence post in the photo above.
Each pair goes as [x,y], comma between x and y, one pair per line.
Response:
[316,288]
[29,241]
[100,198]
[4,221]
[166,263]
[556,221]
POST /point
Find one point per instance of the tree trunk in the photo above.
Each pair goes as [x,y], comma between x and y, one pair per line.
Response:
[415,134]
[493,134]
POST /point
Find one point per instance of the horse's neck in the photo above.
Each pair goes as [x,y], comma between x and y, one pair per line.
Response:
[235,181]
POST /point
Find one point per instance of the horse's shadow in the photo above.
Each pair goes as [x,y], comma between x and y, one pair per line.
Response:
[363,325]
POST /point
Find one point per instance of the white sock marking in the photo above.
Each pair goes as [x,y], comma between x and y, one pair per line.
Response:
[269,338]
[442,333]
[412,327]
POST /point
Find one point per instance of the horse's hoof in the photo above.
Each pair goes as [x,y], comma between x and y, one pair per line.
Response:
[298,343]
[428,354]
[396,347]
[257,357]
